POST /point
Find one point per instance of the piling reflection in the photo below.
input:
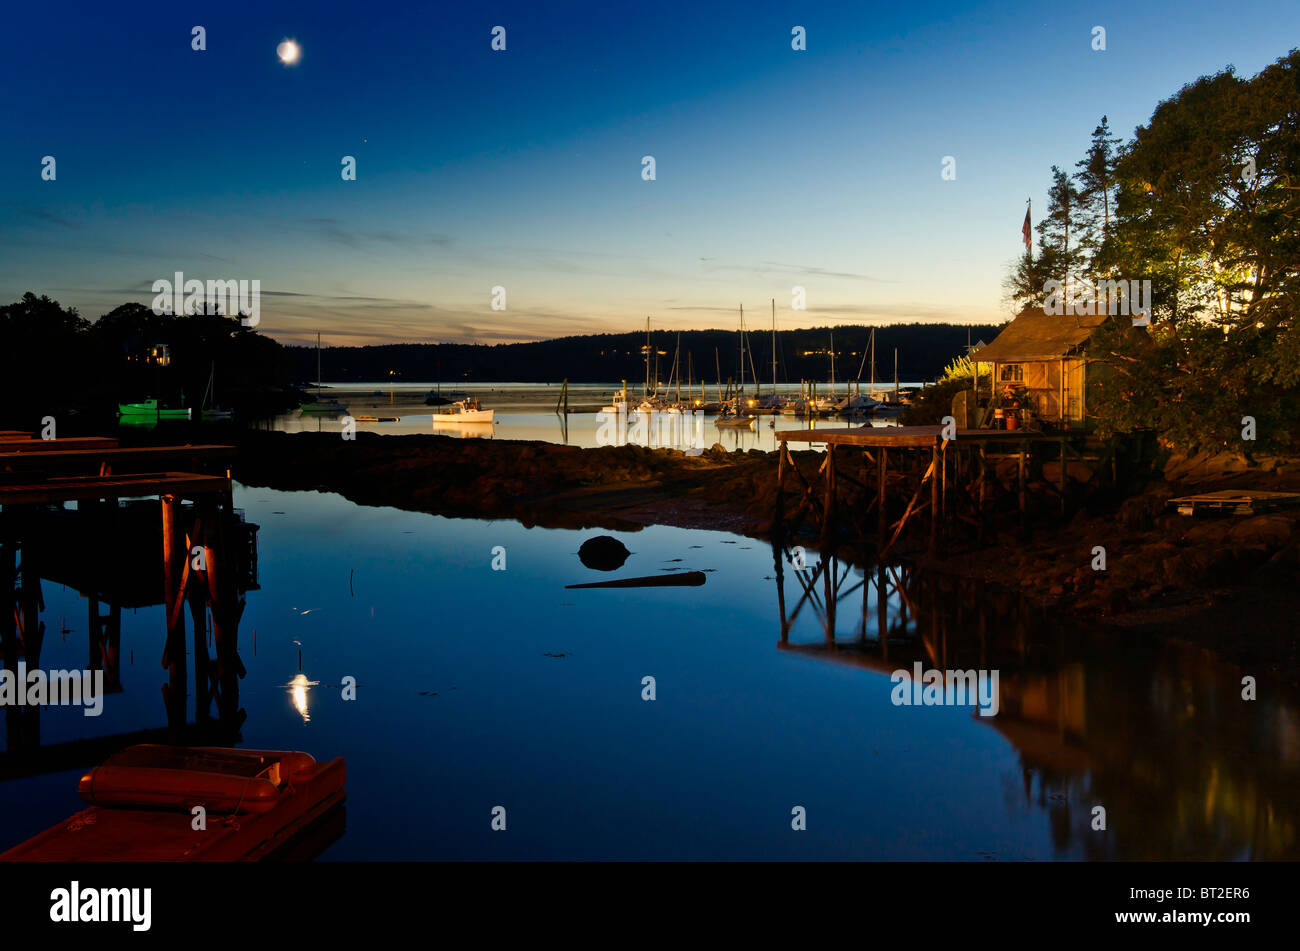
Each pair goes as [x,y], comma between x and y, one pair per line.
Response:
[108,552]
[1154,731]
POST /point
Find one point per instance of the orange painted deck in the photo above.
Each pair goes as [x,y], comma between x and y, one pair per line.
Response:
[48,491]
[109,457]
[25,444]
[101,834]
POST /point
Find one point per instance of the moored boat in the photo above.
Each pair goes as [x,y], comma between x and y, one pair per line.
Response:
[148,410]
[257,804]
[468,410]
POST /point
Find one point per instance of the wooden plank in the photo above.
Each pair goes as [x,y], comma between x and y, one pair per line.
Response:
[7,434]
[118,457]
[15,446]
[1235,501]
[903,436]
[182,484]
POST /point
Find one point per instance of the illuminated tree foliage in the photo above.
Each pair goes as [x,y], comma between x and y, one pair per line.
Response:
[1204,201]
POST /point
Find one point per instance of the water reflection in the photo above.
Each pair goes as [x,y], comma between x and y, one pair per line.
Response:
[298,688]
[1156,732]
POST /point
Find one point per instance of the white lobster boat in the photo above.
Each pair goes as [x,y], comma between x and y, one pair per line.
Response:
[468,410]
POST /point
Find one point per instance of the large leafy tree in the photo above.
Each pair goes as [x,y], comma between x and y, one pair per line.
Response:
[1203,201]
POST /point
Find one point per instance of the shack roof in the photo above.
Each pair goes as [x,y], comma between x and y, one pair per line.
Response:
[1034,335]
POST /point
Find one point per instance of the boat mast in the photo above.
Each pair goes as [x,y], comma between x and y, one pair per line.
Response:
[774,347]
[647,357]
[873,363]
[832,364]
[742,358]
[318,364]
[677,376]
[895,374]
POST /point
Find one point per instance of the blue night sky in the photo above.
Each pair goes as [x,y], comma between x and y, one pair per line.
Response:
[522,168]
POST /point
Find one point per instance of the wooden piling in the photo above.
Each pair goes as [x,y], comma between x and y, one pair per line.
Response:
[174,564]
[1022,492]
[934,496]
[882,518]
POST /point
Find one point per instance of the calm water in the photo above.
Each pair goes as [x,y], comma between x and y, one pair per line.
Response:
[481,688]
[527,411]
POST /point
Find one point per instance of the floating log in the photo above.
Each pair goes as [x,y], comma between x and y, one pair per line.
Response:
[687,579]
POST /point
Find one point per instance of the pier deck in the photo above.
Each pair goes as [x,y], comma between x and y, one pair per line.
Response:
[962,459]
[78,488]
[198,555]
[910,437]
[21,445]
[106,459]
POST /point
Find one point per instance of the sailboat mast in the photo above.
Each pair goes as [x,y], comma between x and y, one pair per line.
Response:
[773,346]
[647,357]
[742,353]
[832,364]
[318,364]
[677,376]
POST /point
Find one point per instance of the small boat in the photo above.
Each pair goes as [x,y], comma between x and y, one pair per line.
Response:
[209,411]
[621,403]
[377,419]
[259,804]
[148,410]
[320,407]
[324,408]
[734,422]
[468,410]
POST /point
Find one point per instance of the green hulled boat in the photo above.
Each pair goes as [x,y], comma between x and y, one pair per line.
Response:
[149,410]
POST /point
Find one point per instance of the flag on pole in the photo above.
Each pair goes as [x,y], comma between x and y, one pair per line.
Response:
[1025,231]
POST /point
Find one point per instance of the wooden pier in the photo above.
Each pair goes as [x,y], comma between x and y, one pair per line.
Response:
[952,480]
[203,562]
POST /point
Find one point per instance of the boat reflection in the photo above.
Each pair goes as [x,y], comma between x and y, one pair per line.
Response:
[463,430]
[1153,730]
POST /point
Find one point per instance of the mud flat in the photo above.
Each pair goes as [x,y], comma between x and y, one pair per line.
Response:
[1231,583]
[613,487]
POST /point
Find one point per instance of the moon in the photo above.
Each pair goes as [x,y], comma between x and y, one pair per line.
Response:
[288,52]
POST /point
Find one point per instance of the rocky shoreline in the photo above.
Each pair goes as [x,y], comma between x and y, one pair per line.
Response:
[1223,582]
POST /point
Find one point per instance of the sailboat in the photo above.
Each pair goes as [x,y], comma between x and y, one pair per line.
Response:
[771,403]
[733,410]
[320,407]
[210,412]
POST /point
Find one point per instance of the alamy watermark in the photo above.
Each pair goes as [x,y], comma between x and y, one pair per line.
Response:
[77,904]
[676,428]
[193,297]
[946,688]
[1087,299]
[58,688]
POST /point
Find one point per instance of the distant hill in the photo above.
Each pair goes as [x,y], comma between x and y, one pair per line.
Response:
[923,351]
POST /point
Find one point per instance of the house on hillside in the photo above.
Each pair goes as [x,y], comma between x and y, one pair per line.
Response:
[1041,359]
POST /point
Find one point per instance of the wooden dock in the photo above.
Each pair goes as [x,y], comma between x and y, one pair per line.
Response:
[108,457]
[199,559]
[956,474]
[1234,502]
